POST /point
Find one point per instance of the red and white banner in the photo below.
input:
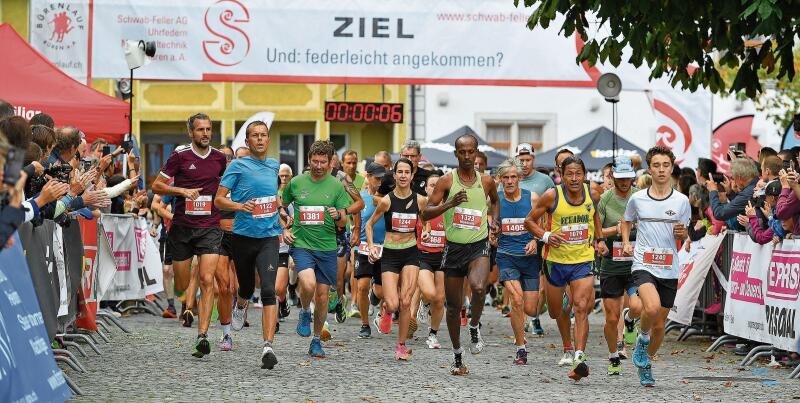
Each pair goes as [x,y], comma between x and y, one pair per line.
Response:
[683,123]
[763,290]
[138,267]
[694,269]
[87,295]
[60,30]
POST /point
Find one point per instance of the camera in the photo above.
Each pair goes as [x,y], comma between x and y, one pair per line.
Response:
[13,167]
[59,172]
[737,149]
[127,146]
[717,177]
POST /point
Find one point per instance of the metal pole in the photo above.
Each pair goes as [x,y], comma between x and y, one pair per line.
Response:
[413,112]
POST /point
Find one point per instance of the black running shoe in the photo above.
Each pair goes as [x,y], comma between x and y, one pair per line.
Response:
[283,309]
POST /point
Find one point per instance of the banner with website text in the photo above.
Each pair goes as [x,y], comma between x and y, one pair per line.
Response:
[763,289]
[138,267]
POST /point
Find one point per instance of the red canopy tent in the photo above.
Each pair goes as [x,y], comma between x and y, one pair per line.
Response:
[32,84]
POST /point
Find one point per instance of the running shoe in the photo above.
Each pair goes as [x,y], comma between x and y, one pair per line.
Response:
[487,301]
[354,312]
[304,323]
[423,313]
[476,341]
[640,357]
[458,368]
[238,316]
[463,316]
[579,368]
[567,358]
[507,311]
[614,366]
[396,317]
[187,318]
[226,344]
[401,353]
[522,357]
[433,342]
[365,332]
[169,313]
[283,310]
[385,324]
[333,298]
[536,325]
[623,355]
[201,347]
[268,358]
[646,376]
[325,335]
[341,315]
[277,326]
[315,349]
[629,332]
[258,305]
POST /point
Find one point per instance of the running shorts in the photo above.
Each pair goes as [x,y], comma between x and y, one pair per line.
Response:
[322,262]
[185,242]
[615,286]
[666,287]
[364,268]
[226,246]
[393,260]
[431,261]
[457,257]
[524,269]
[283,260]
[561,274]
[164,252]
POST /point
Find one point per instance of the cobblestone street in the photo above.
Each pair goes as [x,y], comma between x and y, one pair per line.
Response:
[153,363]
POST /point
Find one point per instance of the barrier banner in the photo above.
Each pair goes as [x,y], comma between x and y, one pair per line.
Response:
[28,371]
[136,275]
[763,284]
[61,274]
[694,269]
[73,261]
[87,300]
[38,244]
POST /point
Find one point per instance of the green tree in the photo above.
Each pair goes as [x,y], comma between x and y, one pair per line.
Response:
[749,37]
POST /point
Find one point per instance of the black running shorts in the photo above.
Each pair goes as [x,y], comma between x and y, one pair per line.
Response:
[393,260]
[186,242]
[366,269]
[667,287]
[457,257]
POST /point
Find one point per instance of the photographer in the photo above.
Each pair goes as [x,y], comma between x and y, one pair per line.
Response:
[739,190]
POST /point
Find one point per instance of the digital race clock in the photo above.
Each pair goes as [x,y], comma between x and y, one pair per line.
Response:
[363,112]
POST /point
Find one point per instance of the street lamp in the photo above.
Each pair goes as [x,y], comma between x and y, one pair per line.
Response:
[609,85]
[137,54]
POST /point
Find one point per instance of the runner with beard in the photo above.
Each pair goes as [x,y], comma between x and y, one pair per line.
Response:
[196,169]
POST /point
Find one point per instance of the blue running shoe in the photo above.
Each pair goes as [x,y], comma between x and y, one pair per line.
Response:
[304,324]
[640,357]
[315,350]
[646,377]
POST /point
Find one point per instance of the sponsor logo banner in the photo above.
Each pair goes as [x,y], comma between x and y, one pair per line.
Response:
[763,298]
[60,30]
[135,270]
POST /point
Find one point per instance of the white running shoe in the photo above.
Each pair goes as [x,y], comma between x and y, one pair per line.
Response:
[423,313]
[567,359]
[476,340]
[238,316]
[433,342]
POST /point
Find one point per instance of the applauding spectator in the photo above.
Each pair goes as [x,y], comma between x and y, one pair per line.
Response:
[728,204]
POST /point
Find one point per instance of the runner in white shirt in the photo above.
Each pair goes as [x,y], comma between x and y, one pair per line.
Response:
[662,215]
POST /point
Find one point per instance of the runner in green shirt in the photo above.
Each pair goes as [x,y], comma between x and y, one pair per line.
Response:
[616,284]
[462,197]
[320,203]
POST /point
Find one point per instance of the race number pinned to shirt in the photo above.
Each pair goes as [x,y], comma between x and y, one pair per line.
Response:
[658,257]
[265,207]
[467,218]
[576,234]
[435,240]
[199,206]
[363,249]
[617,254]
[404,222]
[312,215]
[513,226]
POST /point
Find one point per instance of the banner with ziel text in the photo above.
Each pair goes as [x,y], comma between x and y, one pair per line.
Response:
[763,299]
[352,41]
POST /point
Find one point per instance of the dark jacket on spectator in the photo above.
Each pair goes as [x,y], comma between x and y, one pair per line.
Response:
[735,206]
[10,219]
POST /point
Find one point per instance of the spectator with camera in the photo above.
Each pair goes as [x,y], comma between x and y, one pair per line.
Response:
[736,192]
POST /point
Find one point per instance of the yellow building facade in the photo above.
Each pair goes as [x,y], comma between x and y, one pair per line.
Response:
[160,110]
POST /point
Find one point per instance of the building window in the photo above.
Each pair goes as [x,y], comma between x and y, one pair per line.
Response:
[499,135]
[531,134]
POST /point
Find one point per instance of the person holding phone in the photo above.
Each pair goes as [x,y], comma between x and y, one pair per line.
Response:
[662,215]
[744,176]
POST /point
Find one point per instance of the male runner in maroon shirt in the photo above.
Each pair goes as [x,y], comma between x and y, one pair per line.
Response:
[196,169]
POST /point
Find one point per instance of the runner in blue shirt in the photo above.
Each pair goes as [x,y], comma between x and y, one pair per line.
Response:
[253,185]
